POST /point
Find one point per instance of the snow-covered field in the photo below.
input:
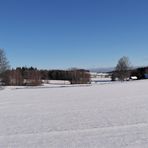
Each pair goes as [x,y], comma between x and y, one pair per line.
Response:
[113,115]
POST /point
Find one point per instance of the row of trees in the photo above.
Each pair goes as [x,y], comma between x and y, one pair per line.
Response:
[73,75]
[33,76]
[140,73]
[22,76]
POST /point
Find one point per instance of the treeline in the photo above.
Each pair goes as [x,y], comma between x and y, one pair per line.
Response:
[140,73]
[123,71]
[33,76]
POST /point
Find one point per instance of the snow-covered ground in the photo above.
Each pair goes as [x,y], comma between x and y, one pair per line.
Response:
[112,115]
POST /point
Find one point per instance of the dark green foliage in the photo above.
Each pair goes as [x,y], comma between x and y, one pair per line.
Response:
[140,72]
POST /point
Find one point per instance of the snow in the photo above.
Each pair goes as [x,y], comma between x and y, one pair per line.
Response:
[59,82]
[100,80]
[111,115]
[134,77]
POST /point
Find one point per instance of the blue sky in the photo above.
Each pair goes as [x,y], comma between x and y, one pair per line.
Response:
[74,33]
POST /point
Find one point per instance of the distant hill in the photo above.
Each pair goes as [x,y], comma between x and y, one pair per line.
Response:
[109,69]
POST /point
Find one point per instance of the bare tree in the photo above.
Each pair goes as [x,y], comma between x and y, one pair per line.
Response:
[123,68]
[4,64]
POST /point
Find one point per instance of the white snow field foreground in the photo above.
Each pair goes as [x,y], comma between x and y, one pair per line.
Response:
[113,115]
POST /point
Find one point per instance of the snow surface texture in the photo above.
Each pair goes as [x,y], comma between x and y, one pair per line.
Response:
[113,115]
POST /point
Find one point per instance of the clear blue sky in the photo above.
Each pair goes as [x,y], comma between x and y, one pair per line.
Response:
[74,33]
